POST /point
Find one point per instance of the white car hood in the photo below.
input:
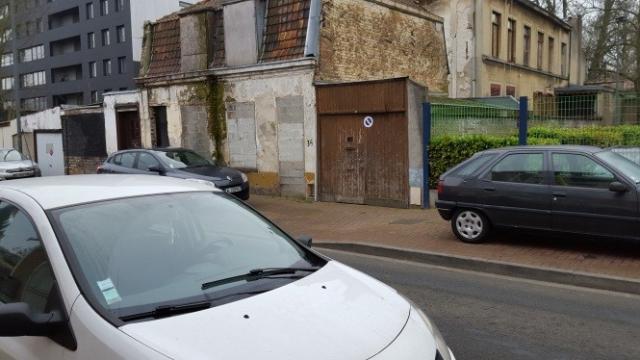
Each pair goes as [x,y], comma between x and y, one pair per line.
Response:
[355,317]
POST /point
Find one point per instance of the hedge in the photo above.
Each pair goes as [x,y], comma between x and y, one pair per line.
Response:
[447,151]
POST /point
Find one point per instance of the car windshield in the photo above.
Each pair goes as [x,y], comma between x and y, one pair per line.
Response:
[11,155]
[136,254]
[624,165]
[180,159]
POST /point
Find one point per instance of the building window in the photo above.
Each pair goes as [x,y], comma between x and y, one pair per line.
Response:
[511,91]
[32,53]
[34,104]
[122,65]
[4,11]
[495,34]
[104,7]
[496,90]
[551,51]
[7,59]
[527,46]
[39,25]
[540,49]
[37,78]
[7,35]
[511,41]
[93,69]
[119,5]
[95,97]
[8,83]
[91,40]
[563,61]
[121,34]
[106,37]
[106,67]
[91,11]
[8,105]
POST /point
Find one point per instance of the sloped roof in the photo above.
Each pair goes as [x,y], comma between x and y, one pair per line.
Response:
[286,29]
[165,48]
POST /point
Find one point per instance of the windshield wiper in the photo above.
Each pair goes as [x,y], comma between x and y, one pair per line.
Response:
[168,310]
[257,274]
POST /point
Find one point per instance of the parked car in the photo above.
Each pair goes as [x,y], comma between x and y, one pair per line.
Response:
[14,165]
[568,189]
[178,163]
[148,267]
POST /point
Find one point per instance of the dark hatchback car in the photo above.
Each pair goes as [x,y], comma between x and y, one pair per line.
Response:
[178,163]
[569,189]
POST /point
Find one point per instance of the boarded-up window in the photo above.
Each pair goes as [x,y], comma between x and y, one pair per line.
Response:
[495,90]
[291,144]
[241,135]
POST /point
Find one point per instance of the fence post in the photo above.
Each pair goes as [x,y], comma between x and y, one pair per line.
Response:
[426,141]
[523,119]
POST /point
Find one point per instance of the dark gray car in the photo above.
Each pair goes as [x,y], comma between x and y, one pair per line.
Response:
[571,189]
[179,163]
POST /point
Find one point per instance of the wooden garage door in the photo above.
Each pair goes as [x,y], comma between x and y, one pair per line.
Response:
[360,164]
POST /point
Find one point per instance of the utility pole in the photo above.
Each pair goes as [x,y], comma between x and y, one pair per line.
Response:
[16,75]
[618,103]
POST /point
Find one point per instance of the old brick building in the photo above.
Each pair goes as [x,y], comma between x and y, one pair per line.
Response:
[237,79]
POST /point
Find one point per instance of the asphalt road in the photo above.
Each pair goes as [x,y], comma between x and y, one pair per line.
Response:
[492,317]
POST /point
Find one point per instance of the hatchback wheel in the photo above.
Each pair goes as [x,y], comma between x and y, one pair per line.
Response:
[470,226]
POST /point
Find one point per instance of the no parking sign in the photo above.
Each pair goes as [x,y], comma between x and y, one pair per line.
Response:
[368,122]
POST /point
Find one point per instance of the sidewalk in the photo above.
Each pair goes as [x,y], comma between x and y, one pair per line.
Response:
[425,231]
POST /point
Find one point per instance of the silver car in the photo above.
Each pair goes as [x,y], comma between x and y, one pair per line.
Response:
[15,165]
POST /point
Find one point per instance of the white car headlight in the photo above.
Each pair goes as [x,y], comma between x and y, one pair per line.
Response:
[245,178]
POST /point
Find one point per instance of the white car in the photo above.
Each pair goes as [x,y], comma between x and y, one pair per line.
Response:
[142,267]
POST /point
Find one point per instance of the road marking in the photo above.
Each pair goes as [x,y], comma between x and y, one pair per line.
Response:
[487,275]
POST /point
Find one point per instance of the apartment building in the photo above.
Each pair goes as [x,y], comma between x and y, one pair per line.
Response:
[509,48]
[70,52]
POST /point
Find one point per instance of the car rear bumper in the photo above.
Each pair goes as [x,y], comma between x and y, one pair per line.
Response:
[446,209]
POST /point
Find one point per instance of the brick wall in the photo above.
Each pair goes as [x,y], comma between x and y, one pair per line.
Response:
[77,165]
[363,40]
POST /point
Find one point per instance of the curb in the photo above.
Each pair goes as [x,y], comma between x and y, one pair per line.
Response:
[600,282]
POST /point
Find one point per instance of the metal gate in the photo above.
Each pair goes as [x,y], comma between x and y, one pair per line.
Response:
[50,153]
[363,151]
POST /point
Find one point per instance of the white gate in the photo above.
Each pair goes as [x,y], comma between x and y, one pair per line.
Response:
[50,153]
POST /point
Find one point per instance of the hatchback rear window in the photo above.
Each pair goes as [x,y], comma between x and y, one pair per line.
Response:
[472,165]
[520,168]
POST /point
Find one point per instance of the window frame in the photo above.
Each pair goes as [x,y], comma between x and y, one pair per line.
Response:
[616,175]
[28,216]
[486,175]
[512,33]
[496,29]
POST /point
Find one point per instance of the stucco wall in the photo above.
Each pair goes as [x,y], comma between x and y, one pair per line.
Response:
[264,92]
[363,40]
[172,97]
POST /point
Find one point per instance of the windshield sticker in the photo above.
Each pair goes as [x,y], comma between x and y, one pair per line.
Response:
[109,291]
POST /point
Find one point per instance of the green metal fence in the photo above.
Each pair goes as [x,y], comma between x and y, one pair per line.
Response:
[472,117]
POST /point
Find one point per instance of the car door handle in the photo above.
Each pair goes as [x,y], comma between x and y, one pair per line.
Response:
[489,188]
[559,194]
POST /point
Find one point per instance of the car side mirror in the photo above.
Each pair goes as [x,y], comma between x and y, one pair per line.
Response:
[305,240]
[157,169]
[618,187]
[17,320]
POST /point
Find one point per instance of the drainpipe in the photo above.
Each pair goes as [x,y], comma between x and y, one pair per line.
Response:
[313,29]
[478,47]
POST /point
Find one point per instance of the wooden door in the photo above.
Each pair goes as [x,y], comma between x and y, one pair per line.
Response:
[128,128]
[363,162]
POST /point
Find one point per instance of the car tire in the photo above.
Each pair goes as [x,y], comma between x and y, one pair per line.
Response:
[470,226]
